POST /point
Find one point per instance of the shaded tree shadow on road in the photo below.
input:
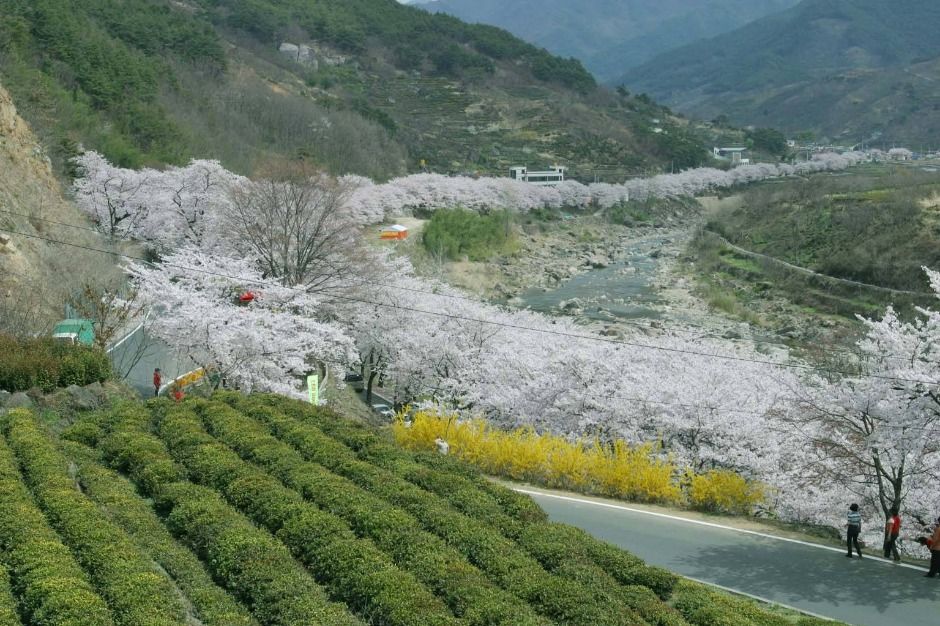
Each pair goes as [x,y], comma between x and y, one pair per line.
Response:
[813,576]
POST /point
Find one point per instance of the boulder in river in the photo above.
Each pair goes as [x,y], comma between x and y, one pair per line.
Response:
[571,306]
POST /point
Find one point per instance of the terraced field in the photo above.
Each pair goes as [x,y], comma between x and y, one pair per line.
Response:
[260,510]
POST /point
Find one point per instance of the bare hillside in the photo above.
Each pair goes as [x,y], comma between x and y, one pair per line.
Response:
[36,275]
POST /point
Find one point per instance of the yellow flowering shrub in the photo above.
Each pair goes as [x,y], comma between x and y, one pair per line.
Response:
[724,491]
[633,473]
[617,470]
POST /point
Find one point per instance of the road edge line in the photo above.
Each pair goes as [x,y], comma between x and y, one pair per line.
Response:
[759,598]
[128,335]
[678,518]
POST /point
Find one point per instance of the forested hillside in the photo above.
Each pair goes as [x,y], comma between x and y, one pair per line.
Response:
[365,86]
[611,36]
[850,70]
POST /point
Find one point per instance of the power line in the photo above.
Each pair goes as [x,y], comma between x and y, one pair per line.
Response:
[45,219]
[691,333]
[507,325]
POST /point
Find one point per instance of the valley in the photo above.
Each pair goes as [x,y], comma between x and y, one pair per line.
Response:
[352,312]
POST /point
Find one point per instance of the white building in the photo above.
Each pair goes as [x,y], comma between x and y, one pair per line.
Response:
[553,176]
[737,156]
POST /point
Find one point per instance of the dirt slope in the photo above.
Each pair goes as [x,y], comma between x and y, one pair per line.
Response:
[34,274]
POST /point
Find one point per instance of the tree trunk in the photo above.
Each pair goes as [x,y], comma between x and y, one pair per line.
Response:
[372,376]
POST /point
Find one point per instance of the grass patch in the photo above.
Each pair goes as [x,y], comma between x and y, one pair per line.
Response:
[458,234]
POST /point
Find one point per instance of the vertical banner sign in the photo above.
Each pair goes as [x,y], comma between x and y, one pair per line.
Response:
[313,389]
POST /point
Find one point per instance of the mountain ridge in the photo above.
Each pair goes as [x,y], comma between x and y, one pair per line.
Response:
[837,68]
[610,36]
[388,89]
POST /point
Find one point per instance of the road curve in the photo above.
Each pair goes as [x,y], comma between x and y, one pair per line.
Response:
[139,353]
[813,578]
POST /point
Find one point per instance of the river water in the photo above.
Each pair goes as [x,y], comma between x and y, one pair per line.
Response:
[623,290]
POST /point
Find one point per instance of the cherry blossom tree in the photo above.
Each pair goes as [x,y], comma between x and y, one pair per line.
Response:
[266,344]
[114,198]
[188,203]
[519,368]
[878,433]
[183,205]
[900,154]
[295,227]
[165,208]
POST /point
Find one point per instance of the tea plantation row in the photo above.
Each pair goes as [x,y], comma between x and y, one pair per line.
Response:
[256,510]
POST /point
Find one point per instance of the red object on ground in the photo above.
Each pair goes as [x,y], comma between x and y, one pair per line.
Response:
[246,297]
[178,394]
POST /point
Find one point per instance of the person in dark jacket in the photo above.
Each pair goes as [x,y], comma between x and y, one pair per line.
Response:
[853,528]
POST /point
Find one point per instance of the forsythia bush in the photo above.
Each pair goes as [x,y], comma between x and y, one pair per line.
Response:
[724,491]
[618,470]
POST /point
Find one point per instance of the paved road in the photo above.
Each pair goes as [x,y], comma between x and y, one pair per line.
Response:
[812,578]
[140,354]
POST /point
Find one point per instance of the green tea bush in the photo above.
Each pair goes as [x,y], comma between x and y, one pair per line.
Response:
[49,584]
[112,492]
[353,569]
[441,568]
[43,363]
[651,608]
[569,544]
[705,607]
[505,563]
[247,561]
[8,615]
[138,594]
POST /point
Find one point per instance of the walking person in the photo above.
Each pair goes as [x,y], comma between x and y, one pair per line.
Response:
[934,544]
[853,529]
[892,530]
[157,379]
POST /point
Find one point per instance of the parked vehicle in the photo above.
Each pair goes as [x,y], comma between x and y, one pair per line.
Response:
[384,410]
[75,332]
[355,380]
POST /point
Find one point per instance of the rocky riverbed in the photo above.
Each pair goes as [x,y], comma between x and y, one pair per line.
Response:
[616,279]
[634,280]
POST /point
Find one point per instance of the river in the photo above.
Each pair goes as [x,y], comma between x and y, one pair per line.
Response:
[623,290]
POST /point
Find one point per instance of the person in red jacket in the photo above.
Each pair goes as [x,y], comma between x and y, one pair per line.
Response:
[157,379]
[934,544]
[892,530]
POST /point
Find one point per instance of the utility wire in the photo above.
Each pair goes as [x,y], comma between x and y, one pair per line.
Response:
[507,325]
[692,333]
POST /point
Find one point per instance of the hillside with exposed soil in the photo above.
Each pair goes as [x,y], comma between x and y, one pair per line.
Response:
[35,275]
